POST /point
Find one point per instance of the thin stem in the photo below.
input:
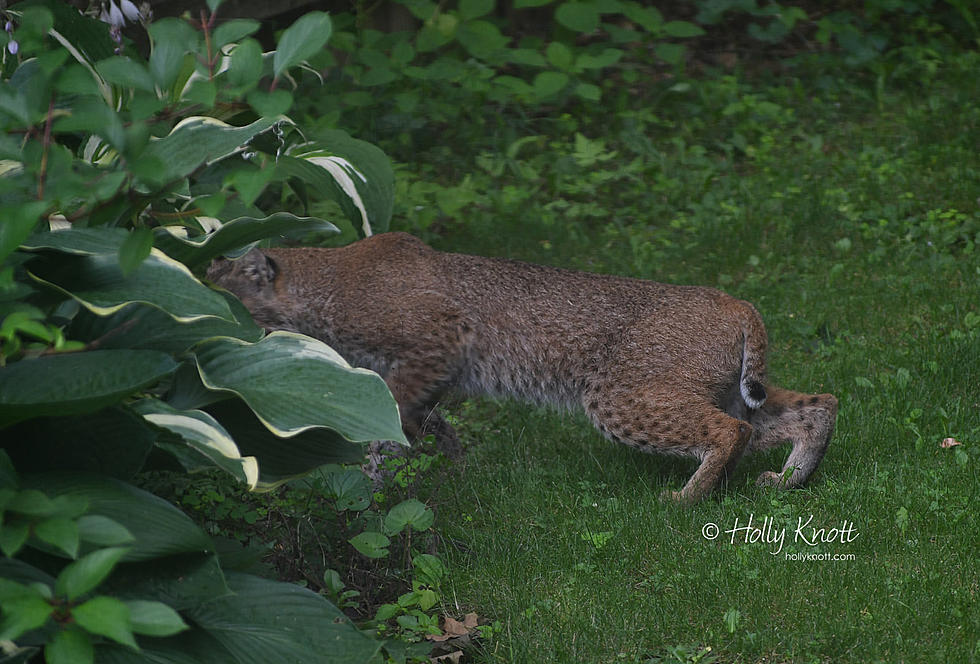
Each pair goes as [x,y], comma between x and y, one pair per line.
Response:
[43,174]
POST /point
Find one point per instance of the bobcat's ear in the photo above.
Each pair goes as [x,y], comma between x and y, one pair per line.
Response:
[254,268]
[259,268]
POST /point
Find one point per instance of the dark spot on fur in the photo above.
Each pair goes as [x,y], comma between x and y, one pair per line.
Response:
[593,405]
[627,433]
[799,403]
[814,400]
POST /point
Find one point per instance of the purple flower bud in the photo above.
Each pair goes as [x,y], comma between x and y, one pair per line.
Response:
[8,26]
[13,47]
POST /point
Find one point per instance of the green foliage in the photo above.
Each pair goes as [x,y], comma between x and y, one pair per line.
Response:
[122,177]
[286,528]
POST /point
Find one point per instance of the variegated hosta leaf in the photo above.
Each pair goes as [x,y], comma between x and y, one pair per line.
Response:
[195,252]
[91,274]
[74,383]
[357,174]
[203,434]
[294,383]
[196,141]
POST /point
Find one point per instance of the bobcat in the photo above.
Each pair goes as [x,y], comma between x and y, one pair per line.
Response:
[673,369]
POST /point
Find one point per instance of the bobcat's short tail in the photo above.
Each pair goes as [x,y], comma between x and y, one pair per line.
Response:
[754,343]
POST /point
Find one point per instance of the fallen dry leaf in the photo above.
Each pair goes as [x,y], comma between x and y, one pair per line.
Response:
[949,442]
[452,628]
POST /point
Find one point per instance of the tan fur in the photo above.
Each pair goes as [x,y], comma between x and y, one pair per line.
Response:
[658,367]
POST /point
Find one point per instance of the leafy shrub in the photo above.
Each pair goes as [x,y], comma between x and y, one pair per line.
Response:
[115,357]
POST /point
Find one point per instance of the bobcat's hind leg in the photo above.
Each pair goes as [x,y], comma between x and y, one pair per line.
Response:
[664,422]
[723,439]
[806,420]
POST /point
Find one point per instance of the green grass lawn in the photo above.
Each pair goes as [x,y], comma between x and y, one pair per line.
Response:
[851,227]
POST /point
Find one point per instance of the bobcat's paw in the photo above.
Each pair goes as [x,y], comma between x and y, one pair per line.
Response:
[770,478]
[673,496]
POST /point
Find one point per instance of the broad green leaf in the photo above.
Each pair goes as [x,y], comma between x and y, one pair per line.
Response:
[172,38]
[203,434]
[549,83]
[266,621]
[349,488]
[588,91]
[649,18]
[234,234]
[112,441]
[8,477]
[78,241]
[13,536]
[103,531]
[249,182]
[429,569]
[245,64]
[274,103]
[606,58]
[180,581]
[682,29]
[407,513]
[559,55]
[294,383]
[106,616]
[301,40]
[196,141]
[98,283]
[154,618]
[31,502]
[281,460]
[233,31]
[125,72]
[59,532]
[358,175]
[470,9]
[69,646]
[141,326]
[578,16]
[201,91]
[87,572]
[18,223]
[134,250]
[159,528]
[24,609]
[670,53]
[14,572]
[482,39]
[76,383]
[371,544]
[85,36]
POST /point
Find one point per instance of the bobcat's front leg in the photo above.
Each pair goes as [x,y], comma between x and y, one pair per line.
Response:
[418,379]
